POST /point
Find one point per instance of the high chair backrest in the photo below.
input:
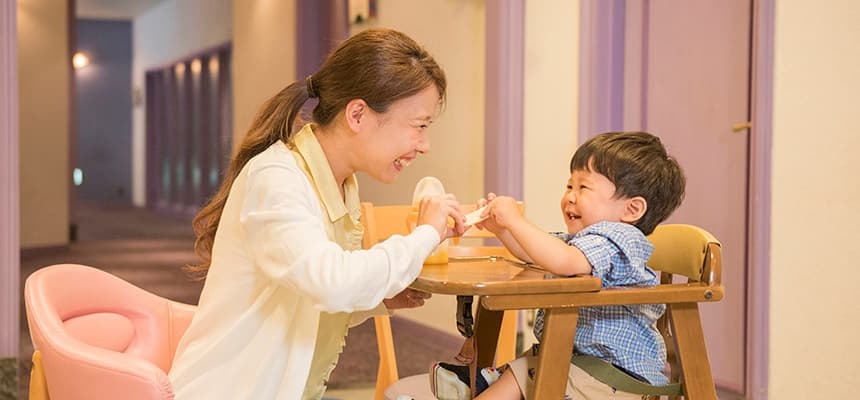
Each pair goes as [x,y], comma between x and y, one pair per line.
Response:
[97,336]
[692,252]
[380,222]
[685,250]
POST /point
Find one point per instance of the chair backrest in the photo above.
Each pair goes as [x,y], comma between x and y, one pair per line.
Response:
[380,222]
[686,250]
[98,336]
[694,253]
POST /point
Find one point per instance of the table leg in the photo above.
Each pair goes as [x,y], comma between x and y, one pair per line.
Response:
[556,348]
[487,324]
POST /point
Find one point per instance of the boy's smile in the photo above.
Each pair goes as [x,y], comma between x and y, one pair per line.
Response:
[589,199]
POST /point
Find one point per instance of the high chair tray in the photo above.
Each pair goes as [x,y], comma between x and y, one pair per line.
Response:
[494,274]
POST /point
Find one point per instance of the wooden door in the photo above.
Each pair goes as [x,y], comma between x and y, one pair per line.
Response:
[681,69]
[696,80]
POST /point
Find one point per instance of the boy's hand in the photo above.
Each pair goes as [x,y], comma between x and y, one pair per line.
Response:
[486,222]
[503,211]
[490,222]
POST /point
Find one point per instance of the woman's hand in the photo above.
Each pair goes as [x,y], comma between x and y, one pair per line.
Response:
[408,298]
[435,211]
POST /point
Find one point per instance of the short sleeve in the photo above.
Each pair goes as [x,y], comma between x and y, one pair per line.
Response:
[617,253]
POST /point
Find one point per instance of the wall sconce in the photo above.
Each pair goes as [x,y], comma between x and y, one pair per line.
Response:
[80,60]
[213,65]
[361,10]
[196,66]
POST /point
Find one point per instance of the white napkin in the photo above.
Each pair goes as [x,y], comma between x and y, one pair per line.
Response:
[474,217]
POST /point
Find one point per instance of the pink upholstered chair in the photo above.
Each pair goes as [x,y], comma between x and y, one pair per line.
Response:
[99,337]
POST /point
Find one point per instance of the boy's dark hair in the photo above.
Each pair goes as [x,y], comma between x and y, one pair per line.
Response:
[638,165]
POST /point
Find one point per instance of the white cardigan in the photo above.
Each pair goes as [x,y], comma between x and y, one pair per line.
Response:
[274,269]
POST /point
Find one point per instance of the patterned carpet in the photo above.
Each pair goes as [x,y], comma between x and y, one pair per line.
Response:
[149,249]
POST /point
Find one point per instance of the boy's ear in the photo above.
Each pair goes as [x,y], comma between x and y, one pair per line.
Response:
[356,113]
[634,209]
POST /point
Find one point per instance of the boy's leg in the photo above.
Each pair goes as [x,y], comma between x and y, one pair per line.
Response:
[453,382]
[506,388]
[581,385]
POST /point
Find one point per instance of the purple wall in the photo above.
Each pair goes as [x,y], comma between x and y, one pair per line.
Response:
[503,143]
[9,209]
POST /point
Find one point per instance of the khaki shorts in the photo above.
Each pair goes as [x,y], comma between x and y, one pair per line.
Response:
[580,385]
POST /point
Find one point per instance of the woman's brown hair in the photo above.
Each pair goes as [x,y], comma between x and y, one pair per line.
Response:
[379,66]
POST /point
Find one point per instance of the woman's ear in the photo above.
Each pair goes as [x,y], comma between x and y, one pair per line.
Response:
[356,113]
[634,209]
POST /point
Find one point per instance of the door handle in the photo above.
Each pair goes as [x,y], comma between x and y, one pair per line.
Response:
[741,126]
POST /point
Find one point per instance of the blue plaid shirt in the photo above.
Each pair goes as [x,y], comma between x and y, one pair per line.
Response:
[625,335]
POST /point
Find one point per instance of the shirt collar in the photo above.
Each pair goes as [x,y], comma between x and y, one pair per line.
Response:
[309,148]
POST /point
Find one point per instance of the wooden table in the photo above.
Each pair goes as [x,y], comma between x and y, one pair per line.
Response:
[503,283]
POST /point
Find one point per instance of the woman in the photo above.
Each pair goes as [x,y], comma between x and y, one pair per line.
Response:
[281,240]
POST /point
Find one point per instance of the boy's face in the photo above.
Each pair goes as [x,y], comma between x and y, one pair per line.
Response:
[589,199]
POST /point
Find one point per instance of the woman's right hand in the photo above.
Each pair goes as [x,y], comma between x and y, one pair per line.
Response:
[435,210]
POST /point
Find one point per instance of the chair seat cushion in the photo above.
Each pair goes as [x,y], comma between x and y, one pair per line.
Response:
[106,330]
[416,386]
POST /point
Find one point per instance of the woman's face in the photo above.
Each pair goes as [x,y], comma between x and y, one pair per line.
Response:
[399,135]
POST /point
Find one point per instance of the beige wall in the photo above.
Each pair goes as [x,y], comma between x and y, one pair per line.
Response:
[551,110]
[44,63]
[264,62]
[551,104]
[453,32]
[173,30]
[264,52]
[815,315]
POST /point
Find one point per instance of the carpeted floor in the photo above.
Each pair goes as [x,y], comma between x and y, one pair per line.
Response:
[149,249]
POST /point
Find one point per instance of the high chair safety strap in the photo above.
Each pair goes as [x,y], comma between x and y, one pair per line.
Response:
[464,316]
[607,373]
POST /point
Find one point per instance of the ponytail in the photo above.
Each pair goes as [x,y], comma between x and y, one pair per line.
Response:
[276,121]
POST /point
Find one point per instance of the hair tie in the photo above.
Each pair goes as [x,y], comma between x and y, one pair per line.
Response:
[312,92]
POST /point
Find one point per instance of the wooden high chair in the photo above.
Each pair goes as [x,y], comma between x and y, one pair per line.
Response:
[380,222]
[682,250]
